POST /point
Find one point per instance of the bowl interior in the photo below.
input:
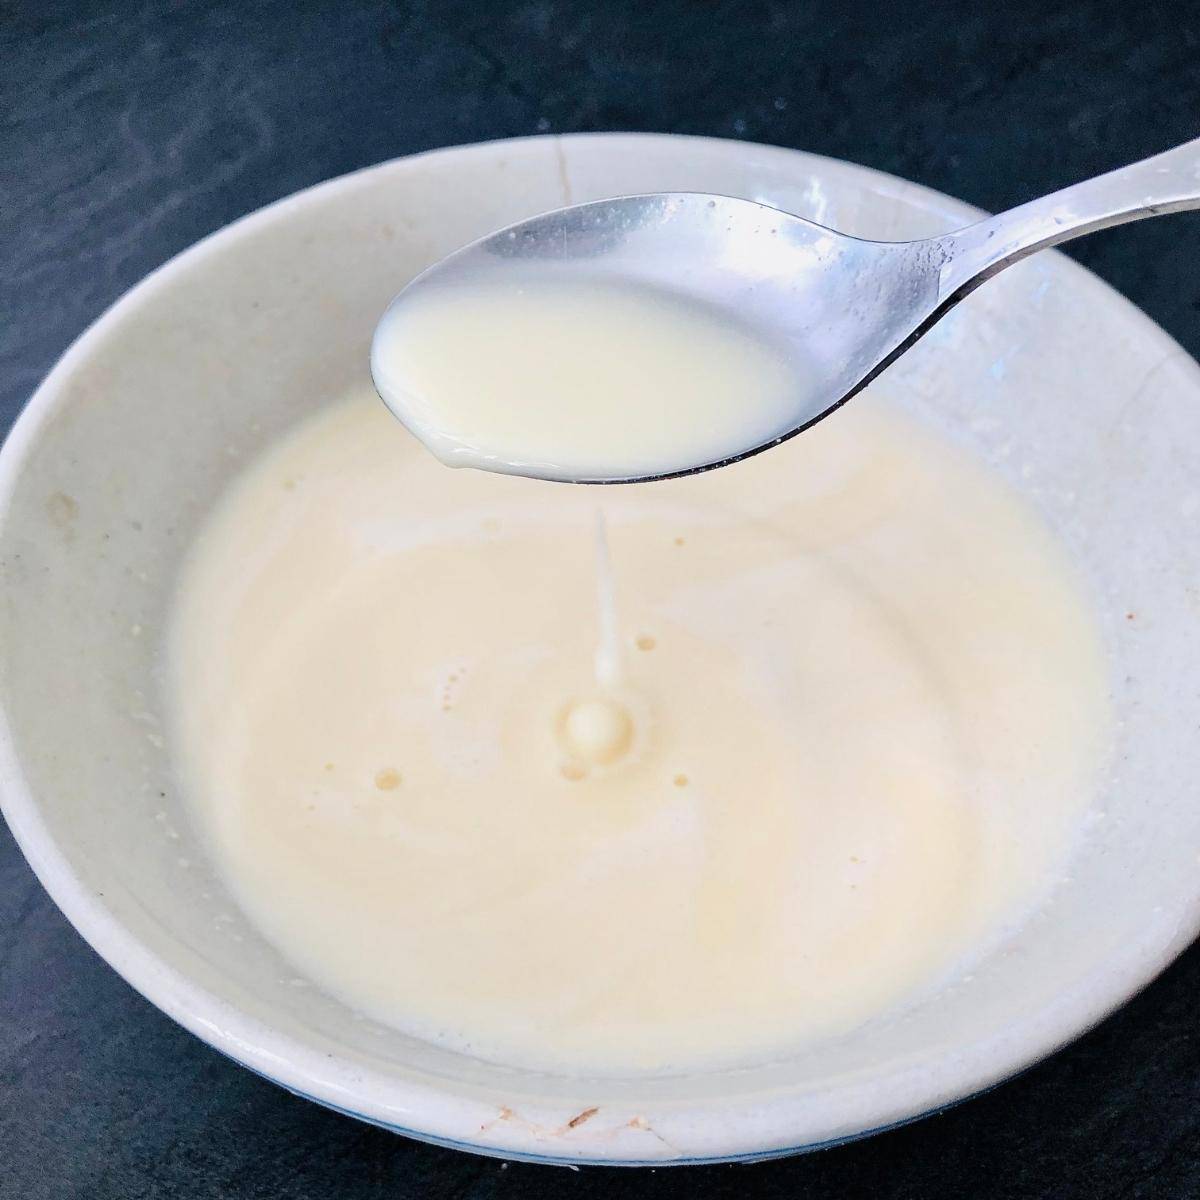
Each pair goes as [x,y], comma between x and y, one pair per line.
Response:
[1068,391]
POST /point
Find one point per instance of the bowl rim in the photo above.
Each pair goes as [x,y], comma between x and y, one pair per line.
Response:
[718,1131]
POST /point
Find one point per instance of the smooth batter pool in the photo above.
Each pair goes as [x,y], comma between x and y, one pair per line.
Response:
[867,697]
[566,376]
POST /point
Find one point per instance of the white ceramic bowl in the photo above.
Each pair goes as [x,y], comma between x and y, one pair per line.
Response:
[1046,373]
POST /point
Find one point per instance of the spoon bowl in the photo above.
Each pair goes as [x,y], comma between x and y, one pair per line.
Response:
[840,307]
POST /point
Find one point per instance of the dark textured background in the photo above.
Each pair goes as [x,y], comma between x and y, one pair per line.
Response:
[130,131]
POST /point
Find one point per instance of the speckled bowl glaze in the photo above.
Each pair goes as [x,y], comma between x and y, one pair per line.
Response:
[1069,391]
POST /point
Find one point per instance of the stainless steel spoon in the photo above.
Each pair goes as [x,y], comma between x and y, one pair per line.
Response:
[849,307]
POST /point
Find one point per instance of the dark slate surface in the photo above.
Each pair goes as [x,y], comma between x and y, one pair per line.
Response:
[128,132]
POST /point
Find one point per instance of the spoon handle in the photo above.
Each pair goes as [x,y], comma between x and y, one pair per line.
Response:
[1166,183]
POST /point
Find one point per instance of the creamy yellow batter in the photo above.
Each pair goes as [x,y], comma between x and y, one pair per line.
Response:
[562,375]
[859,707]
